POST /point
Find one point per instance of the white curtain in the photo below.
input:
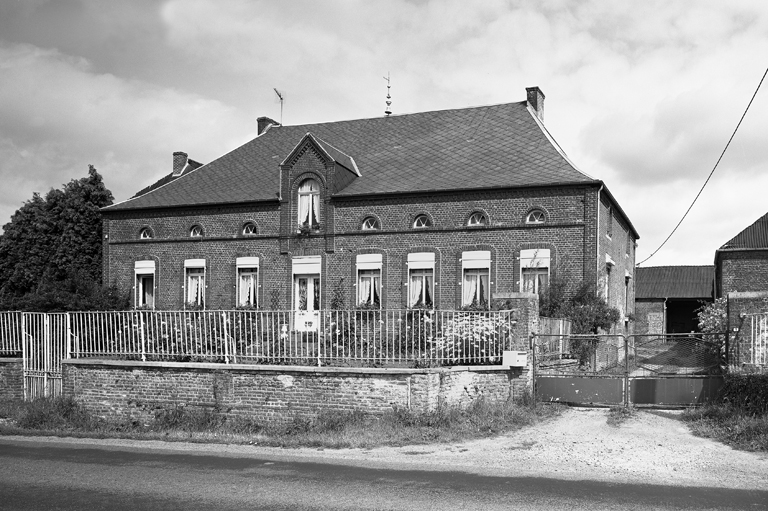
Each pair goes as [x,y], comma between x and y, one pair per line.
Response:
[415,290]
[469,293]
[364,290]
[247,288]
[309,199]
[195,287]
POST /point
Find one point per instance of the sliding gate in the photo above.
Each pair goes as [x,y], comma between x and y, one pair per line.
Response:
[663,370]
[44,345]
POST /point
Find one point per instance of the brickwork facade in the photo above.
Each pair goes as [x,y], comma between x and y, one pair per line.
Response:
[568,232]
[649,317]
[741,308]
[11,378]
[135,390]
[742,271]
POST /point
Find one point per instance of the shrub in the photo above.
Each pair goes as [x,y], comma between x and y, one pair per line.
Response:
[746,392]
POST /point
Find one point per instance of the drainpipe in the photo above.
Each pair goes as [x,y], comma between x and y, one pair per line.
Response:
[597,238]
[664,318]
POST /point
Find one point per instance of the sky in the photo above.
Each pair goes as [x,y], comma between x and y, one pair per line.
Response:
[642,95]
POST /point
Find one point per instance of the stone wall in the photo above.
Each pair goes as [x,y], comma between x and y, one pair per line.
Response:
[649,317]
[135,390]
[11,378]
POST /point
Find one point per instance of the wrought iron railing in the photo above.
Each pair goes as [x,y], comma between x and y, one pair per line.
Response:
[10,334]
[332,338]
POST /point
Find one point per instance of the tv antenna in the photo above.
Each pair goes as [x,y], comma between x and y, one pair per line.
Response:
[388,111]
[281,99]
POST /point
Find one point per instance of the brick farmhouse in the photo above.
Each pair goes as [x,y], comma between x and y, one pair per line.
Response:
[440,209]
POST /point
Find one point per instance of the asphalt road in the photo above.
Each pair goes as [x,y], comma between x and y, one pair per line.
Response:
[62,476]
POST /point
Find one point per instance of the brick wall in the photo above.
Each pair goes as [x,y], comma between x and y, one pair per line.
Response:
[741,305]
[649,317]
[11,378]
[134,390]
[276,243]
[743,271]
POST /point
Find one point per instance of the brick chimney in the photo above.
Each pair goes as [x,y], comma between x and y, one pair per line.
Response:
[536,101]
[179,162]
[264,122]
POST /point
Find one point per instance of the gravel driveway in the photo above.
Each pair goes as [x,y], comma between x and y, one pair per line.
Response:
[653,447]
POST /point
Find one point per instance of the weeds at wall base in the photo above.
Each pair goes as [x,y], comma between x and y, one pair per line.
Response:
[353,429]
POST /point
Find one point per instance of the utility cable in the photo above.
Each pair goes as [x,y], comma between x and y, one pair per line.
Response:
[710,174]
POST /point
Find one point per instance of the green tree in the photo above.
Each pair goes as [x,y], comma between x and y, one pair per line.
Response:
[50,251]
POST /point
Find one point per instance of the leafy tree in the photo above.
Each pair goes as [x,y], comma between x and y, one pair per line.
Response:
[586,309]
[50,251]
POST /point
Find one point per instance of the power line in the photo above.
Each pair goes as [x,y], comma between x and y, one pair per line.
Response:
[712,172]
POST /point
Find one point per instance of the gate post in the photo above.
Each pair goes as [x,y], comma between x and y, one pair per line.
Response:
[533,369]
[141,333]
[24,355]
[46,353]
[69,337]
[626,371]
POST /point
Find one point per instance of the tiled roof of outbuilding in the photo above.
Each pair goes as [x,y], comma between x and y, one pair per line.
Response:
[470,148]
[674,282]
[754,236]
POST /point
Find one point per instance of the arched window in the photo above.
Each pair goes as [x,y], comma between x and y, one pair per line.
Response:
[309,204]
[477,219]
[249,229]
[535,217]
[422,221]
[371,224]
[195,231]
[146,234]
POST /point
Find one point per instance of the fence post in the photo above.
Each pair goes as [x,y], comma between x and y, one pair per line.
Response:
[46,353]
[532,343]
[69,337]
[626,372]
[224,337]
[141,334]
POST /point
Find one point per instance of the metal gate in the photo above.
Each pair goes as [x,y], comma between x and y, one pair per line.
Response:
[663,370]
[44,345]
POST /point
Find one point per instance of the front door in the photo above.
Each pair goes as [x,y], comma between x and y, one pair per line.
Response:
[306,299]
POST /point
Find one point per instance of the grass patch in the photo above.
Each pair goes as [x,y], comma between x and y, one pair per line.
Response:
[65,417]
[730,425]
[618,415]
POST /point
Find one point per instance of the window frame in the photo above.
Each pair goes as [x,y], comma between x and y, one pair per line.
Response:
[536,216]
[369,266]
[246,266]
[249,225]
[312,197]
[422,264]
[143,270]
[476,262]
[535,262]
[196,231]
[146,233]
[484,219]
[425,220]
[370,223]
[195,268]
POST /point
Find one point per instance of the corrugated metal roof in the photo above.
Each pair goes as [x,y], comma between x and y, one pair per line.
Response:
[674,282]
[754,236]
[482,147]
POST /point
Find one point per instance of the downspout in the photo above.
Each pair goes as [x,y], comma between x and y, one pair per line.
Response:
[597,238]
[664,318]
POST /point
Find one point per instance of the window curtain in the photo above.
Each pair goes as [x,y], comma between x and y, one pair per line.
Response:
[484,289]
[364,290]
[469,293]
[302,294]
[195,287]
[316,294]
[428,289]
[304,209]
[247,288]
[417,283]
[309,203]
[315,202]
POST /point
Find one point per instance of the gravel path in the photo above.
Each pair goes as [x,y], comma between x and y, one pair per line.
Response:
[653,447]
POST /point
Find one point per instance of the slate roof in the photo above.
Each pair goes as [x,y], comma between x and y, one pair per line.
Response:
[754,236]
[674,282]
[190,166]
[470,148]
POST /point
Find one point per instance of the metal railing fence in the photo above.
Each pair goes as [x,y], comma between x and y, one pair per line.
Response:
[757,349]
[336,338]
[10,333]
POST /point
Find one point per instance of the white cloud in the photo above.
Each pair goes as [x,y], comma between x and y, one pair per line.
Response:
[58,116]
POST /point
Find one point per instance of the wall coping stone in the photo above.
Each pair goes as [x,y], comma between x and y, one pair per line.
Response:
[12,360]
[281,368]
[748,294]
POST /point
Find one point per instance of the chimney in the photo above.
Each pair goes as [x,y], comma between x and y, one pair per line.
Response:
[179,162]
[264,122]
[536,101]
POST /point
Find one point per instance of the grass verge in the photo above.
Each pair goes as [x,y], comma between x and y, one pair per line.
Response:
[730,425]
[354,429]
[618,415]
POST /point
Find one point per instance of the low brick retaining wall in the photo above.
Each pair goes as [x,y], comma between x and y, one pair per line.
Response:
[11,378]
[134,390]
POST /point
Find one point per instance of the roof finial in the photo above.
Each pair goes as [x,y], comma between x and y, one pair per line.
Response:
[388,111]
